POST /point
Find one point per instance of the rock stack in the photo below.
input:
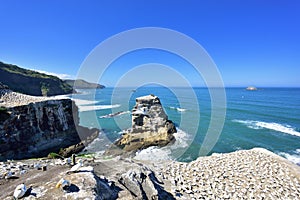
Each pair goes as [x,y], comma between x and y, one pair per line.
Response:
[150,126]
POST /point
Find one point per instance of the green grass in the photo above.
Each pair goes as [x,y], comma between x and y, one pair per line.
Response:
[53,155]
[86,155]
[17,70]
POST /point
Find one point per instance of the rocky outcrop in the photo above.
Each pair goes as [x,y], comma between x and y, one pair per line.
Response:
[142,183]
[2,86]
[150,127]
[41,184]
[251,88]
[36,129]
[97,179]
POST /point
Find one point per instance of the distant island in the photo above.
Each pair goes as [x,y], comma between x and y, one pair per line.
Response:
[251,88]
[82,84]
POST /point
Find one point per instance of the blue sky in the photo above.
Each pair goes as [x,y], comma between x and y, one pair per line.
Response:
[251,42]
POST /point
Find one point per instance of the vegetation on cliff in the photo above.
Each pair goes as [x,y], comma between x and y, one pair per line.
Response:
[31,82]
[82,84]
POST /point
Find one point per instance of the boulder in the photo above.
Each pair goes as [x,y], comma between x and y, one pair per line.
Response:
[143,184]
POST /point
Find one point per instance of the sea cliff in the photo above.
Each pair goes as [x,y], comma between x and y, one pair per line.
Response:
[35,126]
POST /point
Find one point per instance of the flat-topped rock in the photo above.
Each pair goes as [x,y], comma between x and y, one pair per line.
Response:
[35,126]
[150,126]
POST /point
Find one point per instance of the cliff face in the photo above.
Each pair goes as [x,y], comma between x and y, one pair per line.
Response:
[36,129]
[150,126]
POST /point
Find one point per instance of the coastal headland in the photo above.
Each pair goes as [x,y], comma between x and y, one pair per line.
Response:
[34,126]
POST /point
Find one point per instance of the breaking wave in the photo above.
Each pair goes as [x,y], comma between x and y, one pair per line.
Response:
[294,158]
[269,125]
[114,114]
[178,109]
[163,153]
[97,107]
[82,102]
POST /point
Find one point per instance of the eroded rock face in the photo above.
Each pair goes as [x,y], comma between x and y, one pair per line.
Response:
[36,129]
[150,126]
[2,86]
[142,184]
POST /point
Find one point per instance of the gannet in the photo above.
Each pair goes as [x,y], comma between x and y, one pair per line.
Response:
[76,167]
[20,191]
[68,161]
[62,183]
[37,166]
[8,175]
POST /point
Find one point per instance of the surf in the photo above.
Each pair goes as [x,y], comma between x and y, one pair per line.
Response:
[97,107]
[283,128]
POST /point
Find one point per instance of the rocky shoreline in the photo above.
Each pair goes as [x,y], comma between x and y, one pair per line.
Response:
[244,174]
[38,123]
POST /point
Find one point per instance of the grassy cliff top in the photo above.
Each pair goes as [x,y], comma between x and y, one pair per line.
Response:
[31,82]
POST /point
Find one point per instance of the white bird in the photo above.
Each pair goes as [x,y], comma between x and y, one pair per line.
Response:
[76,167]
[20,191]
[68,161]
[37,166]
[62,183]
[8,175]
[23,172]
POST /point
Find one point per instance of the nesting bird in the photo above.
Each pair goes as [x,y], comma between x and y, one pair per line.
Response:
[8,175]
[68,161]
[20,191]
[37,166]
[63,184]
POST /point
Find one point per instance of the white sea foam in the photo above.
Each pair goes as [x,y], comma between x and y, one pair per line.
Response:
[82,102]
[269,125]
[114,114]
[178,109]
[294,158]
[164,153]
[97,107]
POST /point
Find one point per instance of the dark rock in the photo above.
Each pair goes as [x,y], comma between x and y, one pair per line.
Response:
[74,149]
[36,129]
[2,86]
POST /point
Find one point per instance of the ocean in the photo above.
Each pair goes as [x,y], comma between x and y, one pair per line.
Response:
[267,118]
